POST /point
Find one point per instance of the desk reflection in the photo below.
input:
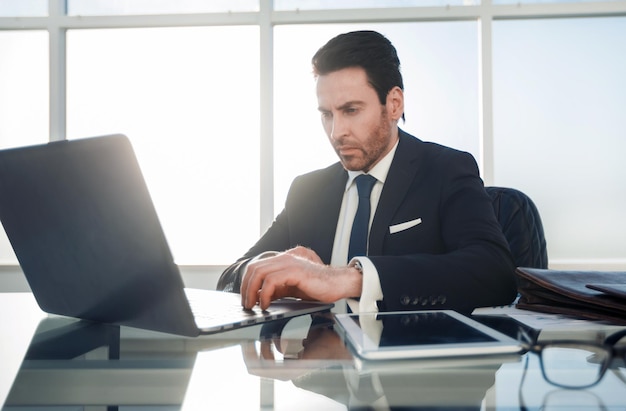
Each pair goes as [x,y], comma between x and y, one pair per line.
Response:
[72,363]
[325,365]
[301,364]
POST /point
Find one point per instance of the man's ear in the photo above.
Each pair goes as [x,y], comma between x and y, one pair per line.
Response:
[395,103]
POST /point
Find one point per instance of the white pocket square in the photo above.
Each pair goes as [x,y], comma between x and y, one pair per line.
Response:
[396,228]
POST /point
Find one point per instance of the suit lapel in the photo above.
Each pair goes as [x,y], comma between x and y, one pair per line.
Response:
[328,211]
[399,179]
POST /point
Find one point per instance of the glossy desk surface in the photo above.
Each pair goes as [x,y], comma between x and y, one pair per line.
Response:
[61,363]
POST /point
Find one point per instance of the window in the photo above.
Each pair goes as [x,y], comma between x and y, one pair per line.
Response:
[189,102]
[547,1]
[219,102]
[439,63]
[23,8]
[129,7]
[23,88]
[362,4]
[560,99]
[23,98]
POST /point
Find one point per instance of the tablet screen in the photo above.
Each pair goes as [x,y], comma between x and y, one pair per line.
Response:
[425,328]
[419,334]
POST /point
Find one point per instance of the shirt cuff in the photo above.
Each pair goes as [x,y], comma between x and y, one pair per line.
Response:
[372,290]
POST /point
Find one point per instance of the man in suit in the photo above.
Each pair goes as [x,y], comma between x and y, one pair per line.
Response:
[434,241]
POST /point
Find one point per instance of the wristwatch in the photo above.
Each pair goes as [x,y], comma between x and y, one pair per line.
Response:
[357,264]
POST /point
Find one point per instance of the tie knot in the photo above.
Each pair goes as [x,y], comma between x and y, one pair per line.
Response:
[364,184]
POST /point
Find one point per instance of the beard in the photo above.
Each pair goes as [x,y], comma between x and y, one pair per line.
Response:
[365,155]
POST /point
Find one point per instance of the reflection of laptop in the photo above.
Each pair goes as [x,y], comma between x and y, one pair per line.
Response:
[84,229]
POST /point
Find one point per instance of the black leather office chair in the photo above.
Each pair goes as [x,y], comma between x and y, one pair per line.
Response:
[520,221]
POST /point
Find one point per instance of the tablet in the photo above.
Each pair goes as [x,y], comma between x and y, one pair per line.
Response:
[421,334]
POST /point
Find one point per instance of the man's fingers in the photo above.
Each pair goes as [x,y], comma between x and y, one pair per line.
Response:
[304,252]
[298,251]
[276,277]
[266,295]
[274,286]
[253,281]
[248,276]
[260,283]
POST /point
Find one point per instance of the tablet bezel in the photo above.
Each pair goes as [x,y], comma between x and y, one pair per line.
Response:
[369,349]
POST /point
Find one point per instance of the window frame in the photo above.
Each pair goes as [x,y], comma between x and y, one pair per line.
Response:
[58,22]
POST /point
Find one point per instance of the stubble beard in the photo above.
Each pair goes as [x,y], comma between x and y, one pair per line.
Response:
[372,153]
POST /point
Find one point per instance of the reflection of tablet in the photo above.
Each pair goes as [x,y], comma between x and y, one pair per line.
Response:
[422,334]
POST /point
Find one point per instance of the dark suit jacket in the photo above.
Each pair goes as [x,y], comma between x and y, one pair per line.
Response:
[456,258]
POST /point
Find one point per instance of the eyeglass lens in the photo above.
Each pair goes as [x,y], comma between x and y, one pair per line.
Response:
[573,365]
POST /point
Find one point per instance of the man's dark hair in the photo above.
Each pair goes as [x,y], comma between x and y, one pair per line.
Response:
[367,49]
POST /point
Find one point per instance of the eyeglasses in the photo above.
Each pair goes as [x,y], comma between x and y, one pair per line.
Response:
[557,400]
[578,365]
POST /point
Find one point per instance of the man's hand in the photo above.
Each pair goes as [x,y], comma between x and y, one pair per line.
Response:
[300,273]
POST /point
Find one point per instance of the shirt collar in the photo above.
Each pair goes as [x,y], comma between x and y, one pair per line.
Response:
[379,171]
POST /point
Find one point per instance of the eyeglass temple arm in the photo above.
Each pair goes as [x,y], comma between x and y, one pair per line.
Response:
[614,338]
[528,335]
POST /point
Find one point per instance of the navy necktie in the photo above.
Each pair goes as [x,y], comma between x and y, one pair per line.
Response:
[360,226]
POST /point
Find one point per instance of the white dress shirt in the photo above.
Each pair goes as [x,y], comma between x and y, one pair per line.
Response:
[372,290]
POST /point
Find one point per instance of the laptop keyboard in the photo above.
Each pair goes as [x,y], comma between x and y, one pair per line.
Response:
[206,306]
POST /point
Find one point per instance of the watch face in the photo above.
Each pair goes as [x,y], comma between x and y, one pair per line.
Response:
[357,264]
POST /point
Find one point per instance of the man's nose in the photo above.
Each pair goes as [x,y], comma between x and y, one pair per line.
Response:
[338,128]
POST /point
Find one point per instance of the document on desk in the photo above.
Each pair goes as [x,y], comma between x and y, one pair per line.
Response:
[543,321]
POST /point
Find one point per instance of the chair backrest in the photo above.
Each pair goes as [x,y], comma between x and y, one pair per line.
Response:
[520,221]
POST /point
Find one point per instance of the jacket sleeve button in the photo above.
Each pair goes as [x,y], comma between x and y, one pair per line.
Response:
[405,300]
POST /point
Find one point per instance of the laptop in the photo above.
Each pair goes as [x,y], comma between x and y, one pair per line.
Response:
[84,229]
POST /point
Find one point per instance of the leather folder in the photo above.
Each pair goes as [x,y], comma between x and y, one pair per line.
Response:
[594,295]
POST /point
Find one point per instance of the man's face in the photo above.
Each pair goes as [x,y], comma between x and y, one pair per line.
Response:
[360,129]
